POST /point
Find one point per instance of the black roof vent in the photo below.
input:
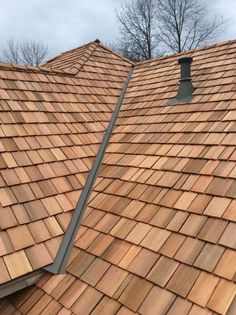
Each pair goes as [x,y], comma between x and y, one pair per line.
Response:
[186,87]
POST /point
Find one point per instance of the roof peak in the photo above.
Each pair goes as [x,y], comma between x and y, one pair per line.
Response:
[81,55]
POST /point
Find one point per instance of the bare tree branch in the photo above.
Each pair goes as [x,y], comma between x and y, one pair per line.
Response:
[11,52]
[138,40]
[187,24]
[149,26]
[29,52]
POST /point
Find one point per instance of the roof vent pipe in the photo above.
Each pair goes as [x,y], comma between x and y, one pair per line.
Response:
[186,87]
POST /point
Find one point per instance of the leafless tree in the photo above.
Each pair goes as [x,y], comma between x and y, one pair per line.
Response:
[186,24]
[11,52]
[148,27]
[137,19]
[28,52]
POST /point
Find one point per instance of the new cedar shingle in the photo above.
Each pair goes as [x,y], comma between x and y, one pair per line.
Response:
[73,293]
[189,250]
[162,271]
[20,237]
[222,296]
[116,251]
[166,184]
[17,264]
[199,295]
[180,306]
[143,262]
[112,280]
[95,272]
[209,257]
[135,293]
[158,301]
[106,306]
[226,267]
[226,238]
[183,280]
[212,230]
[87,301]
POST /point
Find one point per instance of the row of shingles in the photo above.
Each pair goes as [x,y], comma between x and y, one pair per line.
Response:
[90,270]
[99,253]
[80,266]
[188,223]
[33,301]
[176,278]
[182,183]
[20,237]
[161,179]
[162,69]
[76,56]
[196,164]
[85,271]
[65,294]
[79,303]
[108,304]
[116,281]
[118,284]
[113,254]
[168,157]
[75,198]
[210,140]
[167,74]
[144,259]
[187,272]
[105,305]
[117,85]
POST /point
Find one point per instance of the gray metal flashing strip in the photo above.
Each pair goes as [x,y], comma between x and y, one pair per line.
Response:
[20,283]
[59,264]
[178,101]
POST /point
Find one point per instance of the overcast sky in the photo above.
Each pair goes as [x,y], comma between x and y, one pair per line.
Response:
[65,24]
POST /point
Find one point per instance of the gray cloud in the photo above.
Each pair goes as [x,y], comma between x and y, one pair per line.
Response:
[70,23]
[60,24]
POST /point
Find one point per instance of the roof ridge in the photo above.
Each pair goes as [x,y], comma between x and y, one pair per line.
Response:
[73,49]
[19,67]
[87,59]
[98,44]
[187,52]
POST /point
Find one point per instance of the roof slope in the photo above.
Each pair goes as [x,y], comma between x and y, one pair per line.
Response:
[158,235]
[87,55]
[75,57]
[51,126]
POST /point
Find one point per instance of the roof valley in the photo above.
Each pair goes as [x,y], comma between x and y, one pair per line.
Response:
[59,264]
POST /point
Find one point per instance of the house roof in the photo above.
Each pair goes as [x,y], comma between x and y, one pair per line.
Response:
[51,126]
[158,234]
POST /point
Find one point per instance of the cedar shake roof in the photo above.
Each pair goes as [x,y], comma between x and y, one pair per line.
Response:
[51,127]
[159,232]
